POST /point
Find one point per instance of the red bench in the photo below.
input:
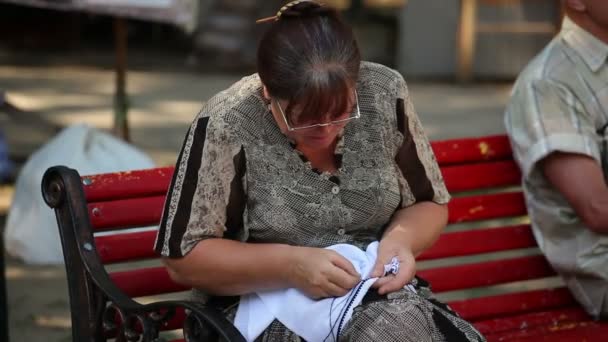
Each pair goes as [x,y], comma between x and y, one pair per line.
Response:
[485,258]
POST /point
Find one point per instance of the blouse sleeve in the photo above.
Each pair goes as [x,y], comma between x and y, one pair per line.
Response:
[206,198]
[544,117]
[422,179]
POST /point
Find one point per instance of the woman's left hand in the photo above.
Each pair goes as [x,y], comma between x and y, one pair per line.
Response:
[394,245]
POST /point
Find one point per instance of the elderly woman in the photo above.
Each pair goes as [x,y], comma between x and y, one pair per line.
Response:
[316,149]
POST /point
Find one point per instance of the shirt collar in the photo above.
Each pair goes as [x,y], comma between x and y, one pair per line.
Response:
[592,50]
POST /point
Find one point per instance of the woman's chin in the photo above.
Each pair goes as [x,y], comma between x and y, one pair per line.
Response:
[318,142]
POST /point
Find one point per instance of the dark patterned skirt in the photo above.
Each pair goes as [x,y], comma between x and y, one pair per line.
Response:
[402,316]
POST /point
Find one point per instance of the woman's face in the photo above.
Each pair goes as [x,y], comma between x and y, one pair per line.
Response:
[315,137]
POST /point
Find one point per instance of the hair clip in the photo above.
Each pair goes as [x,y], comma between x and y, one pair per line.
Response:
[267,19]
[287,6]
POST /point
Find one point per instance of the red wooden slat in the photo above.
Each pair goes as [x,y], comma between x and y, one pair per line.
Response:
[126,247]
[480,241]
[585,331]
[128,184]
[136,212]
[530,320]
[146,282]
[510,304]
[147,211]
[138,246]
[485,207]
[481,176]
[487,273]
[459,151]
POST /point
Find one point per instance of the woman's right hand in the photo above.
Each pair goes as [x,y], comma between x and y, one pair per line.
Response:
[321,273]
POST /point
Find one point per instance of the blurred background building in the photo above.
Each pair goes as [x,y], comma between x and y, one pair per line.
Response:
[421,38]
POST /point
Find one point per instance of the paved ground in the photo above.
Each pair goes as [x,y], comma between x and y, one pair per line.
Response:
[163,104]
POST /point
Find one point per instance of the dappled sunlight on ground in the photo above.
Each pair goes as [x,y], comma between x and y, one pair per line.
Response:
[38,302]
[54,322]
[19,271]
[6,194]
[162,105]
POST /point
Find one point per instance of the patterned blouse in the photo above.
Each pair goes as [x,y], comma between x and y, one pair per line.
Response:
[237,176]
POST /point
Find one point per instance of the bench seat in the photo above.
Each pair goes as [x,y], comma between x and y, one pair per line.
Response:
[486,265]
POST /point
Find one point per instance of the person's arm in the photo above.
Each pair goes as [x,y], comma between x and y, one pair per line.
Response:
[227,267]
[432,216]
[423,213]
[412,230]
[581,181]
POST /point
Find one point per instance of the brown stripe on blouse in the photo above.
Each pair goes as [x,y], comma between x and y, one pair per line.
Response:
[408,161]
[162,230]
[186,197]
[237,199]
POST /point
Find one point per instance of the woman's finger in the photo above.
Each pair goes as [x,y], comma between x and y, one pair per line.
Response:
[342,279]
[383,281]
[334,290]
[393,284]
[406,273]
[345,265]
[377,271]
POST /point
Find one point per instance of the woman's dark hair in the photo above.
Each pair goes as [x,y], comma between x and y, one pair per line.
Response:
[309,57]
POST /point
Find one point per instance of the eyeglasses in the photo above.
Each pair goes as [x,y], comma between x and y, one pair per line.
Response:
[354,115]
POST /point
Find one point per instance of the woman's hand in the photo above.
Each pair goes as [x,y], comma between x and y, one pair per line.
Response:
[321,273]
[394,244]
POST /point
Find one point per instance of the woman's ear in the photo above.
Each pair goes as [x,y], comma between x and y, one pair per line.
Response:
[576,5]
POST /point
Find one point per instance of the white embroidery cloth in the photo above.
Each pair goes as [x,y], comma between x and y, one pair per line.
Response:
[313,320]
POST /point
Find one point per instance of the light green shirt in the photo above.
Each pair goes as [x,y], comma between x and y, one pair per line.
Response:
[560,103]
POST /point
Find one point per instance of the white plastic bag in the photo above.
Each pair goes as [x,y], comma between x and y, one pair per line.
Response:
[31,232]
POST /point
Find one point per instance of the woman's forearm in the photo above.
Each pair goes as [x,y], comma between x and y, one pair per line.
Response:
[418,226]
[227,267]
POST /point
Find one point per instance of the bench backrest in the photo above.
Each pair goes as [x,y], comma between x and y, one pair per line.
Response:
[481,175]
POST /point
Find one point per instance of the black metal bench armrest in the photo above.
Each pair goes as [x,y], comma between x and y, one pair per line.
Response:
[144,322]
[96,303]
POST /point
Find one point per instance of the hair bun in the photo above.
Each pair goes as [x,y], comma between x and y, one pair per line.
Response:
[302,8]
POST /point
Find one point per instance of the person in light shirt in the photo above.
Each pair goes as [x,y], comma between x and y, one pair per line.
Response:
[557,121]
